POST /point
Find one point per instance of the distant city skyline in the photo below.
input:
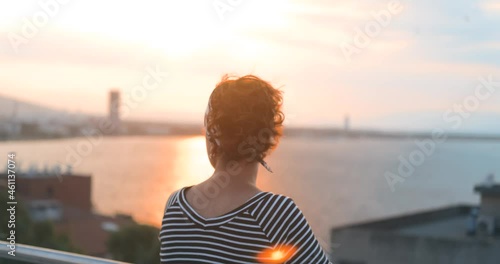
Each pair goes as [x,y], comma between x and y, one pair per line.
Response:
[425,60]
[479,123]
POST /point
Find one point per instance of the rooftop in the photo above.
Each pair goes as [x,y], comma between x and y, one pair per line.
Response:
[493,189]
[448,222]
[488,187]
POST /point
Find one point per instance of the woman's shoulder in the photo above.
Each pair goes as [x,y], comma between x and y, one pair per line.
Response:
[174,196]
[275,202]
[277,197]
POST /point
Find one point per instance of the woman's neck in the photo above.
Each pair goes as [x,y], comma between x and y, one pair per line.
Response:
[236,173]
[231,185]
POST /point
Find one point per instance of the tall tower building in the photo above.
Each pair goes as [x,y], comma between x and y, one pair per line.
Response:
[347,123]
[114,109]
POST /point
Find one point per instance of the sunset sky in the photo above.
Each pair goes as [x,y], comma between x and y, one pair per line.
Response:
[426,59]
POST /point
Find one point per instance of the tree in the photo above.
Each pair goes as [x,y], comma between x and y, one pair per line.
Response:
[135,243]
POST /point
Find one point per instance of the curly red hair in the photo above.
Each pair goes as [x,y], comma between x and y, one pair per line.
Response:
[245,119]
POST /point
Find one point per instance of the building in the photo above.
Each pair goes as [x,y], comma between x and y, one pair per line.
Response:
[66,201]
[9,128]
[347,123]
[461,234]
[71,190]
[114,110]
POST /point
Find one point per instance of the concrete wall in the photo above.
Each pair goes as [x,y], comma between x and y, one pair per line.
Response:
[377,247]
[490,206]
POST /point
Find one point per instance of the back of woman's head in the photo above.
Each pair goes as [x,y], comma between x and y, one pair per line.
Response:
[244,118]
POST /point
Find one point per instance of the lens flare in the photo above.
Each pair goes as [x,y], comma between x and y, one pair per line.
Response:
[278,254]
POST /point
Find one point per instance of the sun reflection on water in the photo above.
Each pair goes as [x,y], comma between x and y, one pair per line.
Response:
[191,162]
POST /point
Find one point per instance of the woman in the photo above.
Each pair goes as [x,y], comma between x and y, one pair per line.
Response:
[227,219]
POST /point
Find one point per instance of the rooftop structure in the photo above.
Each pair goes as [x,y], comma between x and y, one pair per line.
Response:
[452,235]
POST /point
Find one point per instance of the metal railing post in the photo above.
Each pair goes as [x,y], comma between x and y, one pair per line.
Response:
[40,255]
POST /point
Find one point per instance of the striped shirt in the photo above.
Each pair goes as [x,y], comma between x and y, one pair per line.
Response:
[268,228]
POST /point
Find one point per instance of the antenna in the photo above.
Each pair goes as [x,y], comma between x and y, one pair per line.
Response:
[490,180]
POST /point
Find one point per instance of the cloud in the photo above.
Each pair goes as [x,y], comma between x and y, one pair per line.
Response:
[428,54]
[492,7]
[80,49]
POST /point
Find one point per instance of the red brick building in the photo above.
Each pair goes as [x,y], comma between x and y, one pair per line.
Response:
[71,190]
[66,200]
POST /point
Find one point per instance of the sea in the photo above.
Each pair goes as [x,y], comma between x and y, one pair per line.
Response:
[334,181]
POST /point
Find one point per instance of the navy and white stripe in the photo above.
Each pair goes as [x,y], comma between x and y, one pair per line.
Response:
[265,222]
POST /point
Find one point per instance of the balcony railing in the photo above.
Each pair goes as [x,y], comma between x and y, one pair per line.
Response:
[40,255]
